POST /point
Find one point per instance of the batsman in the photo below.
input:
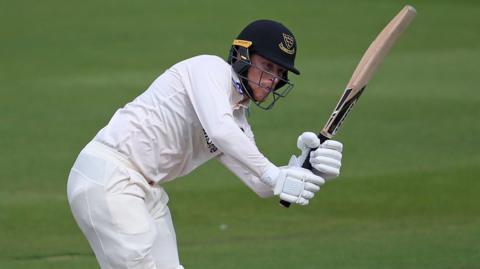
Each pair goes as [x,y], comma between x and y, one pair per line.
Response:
[193,112]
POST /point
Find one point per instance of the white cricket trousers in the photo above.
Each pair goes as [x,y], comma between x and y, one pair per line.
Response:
[126,221]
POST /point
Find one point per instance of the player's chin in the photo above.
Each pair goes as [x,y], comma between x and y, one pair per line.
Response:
[261,98]
[262,94]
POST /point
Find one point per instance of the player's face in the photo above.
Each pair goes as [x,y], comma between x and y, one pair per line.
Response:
[263,76]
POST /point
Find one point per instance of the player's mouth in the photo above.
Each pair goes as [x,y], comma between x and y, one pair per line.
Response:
[265,91]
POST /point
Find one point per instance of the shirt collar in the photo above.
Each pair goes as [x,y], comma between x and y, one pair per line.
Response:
[237,97]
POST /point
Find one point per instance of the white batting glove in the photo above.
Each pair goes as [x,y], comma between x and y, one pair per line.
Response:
[326,160]
[293,184]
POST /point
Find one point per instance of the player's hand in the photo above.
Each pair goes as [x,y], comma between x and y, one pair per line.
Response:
[293,184]
[326,159]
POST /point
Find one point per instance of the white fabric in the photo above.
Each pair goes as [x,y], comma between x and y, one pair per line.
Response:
[190,114]
[293,184]
[240,170]
[126,221]
[253,182]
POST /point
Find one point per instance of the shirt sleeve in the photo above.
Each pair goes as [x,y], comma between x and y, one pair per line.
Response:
[207,82]
[246,176]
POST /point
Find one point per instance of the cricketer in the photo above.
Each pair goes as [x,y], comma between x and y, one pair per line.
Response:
[193,112]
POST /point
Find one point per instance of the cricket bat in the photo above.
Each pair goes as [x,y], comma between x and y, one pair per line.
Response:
[362,75]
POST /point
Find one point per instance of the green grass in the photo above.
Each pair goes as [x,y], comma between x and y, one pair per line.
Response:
[408,197]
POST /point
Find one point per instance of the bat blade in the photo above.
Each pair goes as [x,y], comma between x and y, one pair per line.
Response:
[367,66]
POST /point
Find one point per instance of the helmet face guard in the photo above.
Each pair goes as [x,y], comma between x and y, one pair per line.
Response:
[239,58]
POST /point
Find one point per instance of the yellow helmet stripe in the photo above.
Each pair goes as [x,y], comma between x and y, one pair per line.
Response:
[242,43]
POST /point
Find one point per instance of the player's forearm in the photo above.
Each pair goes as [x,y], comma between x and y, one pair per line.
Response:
[234,143]
[246,176]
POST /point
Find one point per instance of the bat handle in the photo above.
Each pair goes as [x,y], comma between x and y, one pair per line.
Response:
[307,165]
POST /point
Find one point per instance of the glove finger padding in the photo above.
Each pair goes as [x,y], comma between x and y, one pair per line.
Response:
[327,171]
[308,195]
[288,198]
[311,187]
[330,153]
[326,161]
[332,144]
[303,174]
[293,199]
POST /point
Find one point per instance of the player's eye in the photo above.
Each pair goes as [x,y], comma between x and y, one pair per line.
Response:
[269,67]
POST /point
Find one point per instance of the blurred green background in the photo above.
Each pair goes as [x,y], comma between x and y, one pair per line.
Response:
[408,193]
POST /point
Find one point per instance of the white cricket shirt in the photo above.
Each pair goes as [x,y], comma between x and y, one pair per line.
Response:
[189,115]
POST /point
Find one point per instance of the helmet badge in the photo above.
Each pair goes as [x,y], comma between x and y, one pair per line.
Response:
[288,47]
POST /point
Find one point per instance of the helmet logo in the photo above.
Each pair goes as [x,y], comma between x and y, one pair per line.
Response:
[288,46]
